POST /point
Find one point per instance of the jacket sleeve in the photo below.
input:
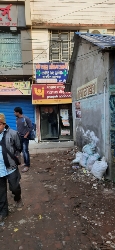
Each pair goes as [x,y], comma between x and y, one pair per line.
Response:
[17,142]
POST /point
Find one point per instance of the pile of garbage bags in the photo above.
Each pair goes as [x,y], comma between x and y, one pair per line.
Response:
[91,160]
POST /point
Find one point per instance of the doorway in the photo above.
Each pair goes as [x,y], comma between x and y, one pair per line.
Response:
[56,122]
[49,122]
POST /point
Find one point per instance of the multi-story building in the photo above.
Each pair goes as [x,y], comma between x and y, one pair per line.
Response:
[16,61]
[53,27]
[34,32]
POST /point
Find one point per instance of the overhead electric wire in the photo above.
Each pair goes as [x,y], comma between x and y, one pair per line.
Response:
[28,62]
[85,8]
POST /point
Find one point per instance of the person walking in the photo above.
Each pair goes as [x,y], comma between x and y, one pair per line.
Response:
[10,148]
[24,127]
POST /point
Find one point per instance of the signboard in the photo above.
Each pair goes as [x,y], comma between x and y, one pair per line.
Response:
[15,88]
[87,89]
[8,15]
[50,94]
[12,15]
[51,72]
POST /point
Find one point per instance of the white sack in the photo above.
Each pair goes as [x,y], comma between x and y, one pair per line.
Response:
[99,168]
[78,157]
[91,160]
[83,160]
[89,149]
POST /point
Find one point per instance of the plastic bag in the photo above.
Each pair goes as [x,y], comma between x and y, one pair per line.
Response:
[91,160]
[99,168]
[89,148]
[83,160]
[78,157]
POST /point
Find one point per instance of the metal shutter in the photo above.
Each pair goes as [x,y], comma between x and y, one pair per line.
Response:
[7,107]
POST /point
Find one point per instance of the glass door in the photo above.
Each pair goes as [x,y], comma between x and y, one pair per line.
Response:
[49,122]
[65,122]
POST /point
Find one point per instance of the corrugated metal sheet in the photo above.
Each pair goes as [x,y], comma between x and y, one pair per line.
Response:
[102,41]
[73,12]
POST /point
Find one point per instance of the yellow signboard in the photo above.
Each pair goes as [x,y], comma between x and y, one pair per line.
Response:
[52,101]
[15,88]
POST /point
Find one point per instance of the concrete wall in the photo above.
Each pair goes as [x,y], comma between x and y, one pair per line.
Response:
[27,55]
[94,122]
[40,46]
[90,64]
[80,13]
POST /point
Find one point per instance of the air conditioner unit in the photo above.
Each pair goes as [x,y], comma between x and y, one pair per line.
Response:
[98,31]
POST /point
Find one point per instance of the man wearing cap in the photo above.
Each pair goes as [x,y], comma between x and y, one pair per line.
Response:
[10,148]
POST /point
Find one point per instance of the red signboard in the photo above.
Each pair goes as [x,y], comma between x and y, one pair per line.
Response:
[50,94]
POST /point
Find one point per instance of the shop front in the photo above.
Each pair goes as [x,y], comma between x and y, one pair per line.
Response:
[13,94]
[54,110]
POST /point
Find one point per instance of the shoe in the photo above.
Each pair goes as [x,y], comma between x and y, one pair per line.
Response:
[19,204]
[2,218]
[25,169]
[23,165]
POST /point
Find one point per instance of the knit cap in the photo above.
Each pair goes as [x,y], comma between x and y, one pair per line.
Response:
[2,118]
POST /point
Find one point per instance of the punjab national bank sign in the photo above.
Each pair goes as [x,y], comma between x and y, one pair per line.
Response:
[50,94]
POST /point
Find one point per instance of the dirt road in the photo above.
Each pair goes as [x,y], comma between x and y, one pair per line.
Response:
[62,209]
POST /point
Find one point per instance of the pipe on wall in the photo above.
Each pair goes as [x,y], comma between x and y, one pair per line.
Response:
[104,120]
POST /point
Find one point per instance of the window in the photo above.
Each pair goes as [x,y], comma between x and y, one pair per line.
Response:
[10,50]
[61,46]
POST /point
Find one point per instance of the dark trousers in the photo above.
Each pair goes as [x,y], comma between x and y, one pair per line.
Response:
[54,129]
[25,151]
[14,186]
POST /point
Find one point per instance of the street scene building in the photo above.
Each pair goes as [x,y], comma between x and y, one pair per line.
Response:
[34,38]
[16,65]
[57,125]
[92,79]
[53,28]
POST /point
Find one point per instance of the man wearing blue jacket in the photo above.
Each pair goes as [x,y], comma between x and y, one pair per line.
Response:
[10,148]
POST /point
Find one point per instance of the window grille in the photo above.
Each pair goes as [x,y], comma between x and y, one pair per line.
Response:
[61,46]
[10,50]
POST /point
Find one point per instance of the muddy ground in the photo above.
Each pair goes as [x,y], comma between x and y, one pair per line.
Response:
[62,209]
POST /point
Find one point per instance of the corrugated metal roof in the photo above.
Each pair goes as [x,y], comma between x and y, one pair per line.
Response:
[102,41]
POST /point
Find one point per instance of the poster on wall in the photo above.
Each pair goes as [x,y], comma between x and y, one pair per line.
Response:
[64,117]
[77,110]
[65,131]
